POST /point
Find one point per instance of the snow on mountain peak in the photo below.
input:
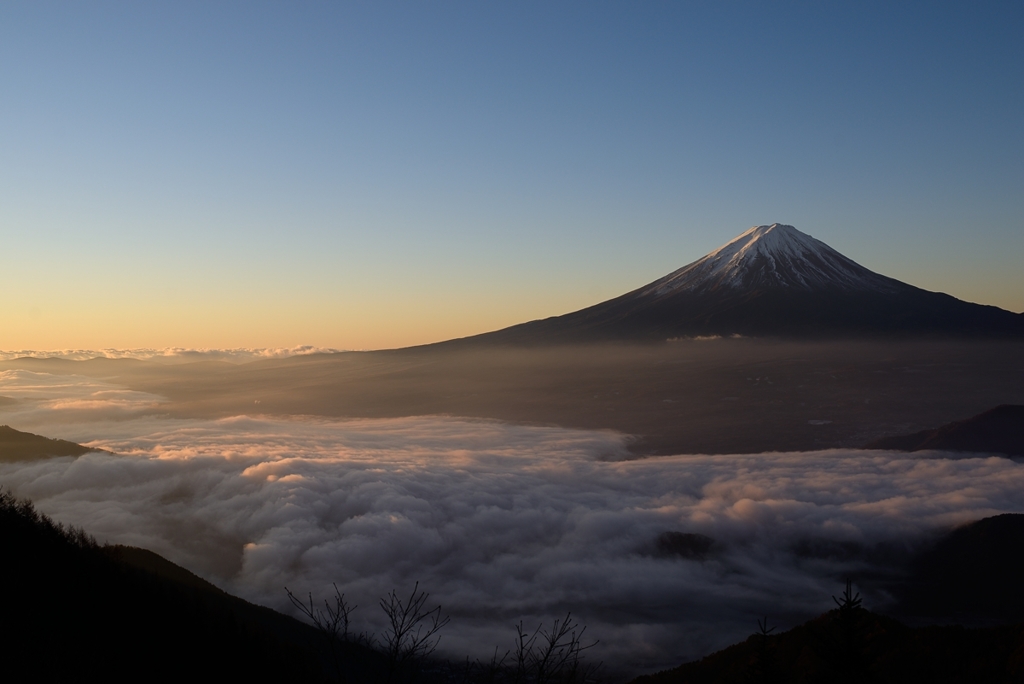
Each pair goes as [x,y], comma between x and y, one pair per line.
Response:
[771,256]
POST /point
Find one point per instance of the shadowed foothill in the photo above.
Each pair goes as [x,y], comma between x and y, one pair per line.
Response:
[958,617]
[25,446]
[999,430]
[970,576]
[873,648]
[78,611]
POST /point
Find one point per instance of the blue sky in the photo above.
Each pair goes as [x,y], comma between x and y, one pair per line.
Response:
[366,175]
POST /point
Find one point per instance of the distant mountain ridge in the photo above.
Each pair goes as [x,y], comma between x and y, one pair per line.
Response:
[772,280]
[999,430]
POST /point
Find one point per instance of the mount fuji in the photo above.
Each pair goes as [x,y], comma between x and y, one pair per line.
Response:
[772,280]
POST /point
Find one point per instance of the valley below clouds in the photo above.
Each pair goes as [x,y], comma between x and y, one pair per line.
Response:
[498,522]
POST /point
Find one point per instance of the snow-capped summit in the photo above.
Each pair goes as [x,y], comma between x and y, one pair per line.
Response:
[772,256]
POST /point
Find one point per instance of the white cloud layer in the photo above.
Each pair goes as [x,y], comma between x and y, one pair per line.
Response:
[57,401]
[498,522]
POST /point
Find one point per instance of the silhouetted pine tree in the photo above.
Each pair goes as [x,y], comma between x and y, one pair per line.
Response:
[845,638]
[765,667]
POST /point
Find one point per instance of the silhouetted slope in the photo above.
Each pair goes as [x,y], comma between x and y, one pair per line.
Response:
[881,650]
[971,576]
[999,430]
[74,611]
[24,446]
[770,281]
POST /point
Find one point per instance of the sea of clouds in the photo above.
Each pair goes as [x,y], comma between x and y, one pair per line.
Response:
[498,522]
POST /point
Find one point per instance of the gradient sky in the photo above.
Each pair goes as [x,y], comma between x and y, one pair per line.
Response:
[367,175]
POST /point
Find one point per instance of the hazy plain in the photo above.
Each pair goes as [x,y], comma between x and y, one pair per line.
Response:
[712,396]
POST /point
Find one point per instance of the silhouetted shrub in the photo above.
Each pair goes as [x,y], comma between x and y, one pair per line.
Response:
[552,656]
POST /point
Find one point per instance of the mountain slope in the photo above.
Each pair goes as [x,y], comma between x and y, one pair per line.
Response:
[76,611]
[772,280]
[775,256]
[969,576]
[877,649]
[999,430]
[16,445]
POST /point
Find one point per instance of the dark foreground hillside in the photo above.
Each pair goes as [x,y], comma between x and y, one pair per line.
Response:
[969,576]
[76,611]
[872,649]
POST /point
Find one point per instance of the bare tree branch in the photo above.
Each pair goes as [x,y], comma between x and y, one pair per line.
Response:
[412,632]
[332,621]
[547,656]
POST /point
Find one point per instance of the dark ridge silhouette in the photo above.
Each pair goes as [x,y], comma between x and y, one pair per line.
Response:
[25,446]
[970,576]
[76,611]
[958,617]
[999,430]
[875,649]
[771,281]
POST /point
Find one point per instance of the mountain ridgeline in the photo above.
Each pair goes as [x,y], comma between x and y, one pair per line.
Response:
[954,617]
[76,611]
[999,430]
[770,281]
[16,445]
